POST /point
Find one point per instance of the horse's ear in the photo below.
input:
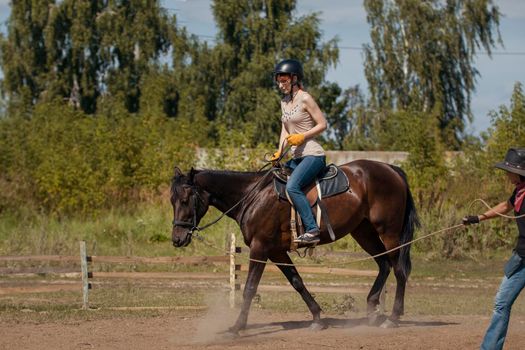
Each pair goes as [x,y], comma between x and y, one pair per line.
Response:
[191,174]
[177,172]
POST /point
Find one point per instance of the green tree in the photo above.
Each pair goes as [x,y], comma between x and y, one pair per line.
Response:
[133,35]
[193,82]
[78,50]
[364,123]
[253,36]
[425,164]
[23,52]
[507,126]
[421,56]
[334,103]
[73,53]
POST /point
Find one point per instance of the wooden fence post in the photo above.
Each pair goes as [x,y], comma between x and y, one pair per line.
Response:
[85,277]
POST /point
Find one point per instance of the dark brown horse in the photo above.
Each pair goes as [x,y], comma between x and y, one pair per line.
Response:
[378,211]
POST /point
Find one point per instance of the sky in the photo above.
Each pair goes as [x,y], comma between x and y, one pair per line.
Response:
[346,19]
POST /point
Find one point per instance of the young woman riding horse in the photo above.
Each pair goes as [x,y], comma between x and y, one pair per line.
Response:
[302,121]
[377,210]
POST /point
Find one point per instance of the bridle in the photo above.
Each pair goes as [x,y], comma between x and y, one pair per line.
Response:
[192,226]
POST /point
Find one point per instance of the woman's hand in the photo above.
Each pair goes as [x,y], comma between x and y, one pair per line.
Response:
[295,139]
[275,157]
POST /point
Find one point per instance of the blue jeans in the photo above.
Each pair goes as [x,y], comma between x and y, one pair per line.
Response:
[305,170]
[508,291]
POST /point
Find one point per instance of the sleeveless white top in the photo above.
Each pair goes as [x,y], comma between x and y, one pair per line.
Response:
[297,120]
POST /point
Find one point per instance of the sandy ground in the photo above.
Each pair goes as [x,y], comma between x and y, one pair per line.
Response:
[266,330]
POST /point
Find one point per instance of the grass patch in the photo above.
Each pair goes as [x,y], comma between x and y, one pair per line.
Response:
[437,286]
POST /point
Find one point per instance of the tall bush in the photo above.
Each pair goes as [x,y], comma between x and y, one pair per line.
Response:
[63,161]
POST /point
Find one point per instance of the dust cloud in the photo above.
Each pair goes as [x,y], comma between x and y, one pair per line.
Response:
[218,318]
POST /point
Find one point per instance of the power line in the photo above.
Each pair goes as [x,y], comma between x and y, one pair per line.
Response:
[355,48]
[358,48]
[503,53]
[494,53]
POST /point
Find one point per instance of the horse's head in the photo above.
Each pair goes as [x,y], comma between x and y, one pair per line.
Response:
[189,206]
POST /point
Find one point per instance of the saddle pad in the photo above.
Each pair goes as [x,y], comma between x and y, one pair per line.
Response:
[331,185]
[330,171]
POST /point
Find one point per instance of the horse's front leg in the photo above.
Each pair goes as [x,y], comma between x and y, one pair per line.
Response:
[255,272]
[285,264]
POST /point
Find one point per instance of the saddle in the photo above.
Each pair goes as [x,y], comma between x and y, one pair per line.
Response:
[329,182]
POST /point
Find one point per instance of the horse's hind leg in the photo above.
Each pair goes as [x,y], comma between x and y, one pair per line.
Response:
[296,281]
[401,278]
[401,271]
[368,239]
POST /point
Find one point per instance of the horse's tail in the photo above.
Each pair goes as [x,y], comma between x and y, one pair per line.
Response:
[410,223]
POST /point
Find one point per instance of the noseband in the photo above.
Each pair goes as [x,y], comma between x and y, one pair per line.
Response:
[192,226]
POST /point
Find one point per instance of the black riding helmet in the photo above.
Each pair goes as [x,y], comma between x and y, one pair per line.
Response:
[289,66]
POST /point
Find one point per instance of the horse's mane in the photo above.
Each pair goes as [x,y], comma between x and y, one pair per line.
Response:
[232,172]
[240,176]
[180,178]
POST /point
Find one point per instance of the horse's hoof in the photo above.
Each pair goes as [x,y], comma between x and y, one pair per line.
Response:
[388,323]
[231,333]
[375,319]
[317,326]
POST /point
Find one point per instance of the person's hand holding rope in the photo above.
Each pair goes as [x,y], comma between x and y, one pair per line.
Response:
[470,219]
[275,158]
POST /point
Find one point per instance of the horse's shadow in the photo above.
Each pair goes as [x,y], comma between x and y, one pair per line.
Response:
[257,329]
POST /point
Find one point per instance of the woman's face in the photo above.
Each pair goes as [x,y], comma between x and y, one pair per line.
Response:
[513,178]
[284,82]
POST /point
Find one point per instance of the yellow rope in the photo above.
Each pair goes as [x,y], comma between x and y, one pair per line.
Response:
[489,207]
[377,255]
[373,256]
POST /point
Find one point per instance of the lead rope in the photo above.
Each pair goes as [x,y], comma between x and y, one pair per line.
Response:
[202,228]
[499,214]
[455,227]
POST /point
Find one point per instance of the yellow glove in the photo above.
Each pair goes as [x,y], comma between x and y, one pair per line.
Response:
[295,139]
[275,156]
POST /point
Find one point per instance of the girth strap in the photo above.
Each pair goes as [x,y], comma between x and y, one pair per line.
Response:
[293,224]
[324,213]
[319,197]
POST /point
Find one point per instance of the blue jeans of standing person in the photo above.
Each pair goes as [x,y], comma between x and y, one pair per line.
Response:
[508,291]
[305,170]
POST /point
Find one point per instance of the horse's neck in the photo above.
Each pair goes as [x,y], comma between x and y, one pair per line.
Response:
[226,189]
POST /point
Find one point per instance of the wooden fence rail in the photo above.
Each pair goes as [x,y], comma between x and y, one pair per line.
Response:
[86,261]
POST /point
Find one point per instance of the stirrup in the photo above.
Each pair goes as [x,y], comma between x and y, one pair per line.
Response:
[308,238]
